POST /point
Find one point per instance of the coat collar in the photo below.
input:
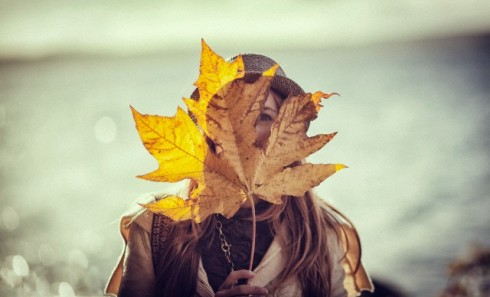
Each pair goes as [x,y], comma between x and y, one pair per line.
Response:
[268,269]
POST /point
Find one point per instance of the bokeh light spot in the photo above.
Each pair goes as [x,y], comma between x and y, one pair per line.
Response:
[105,130]
[20,266]
[78,258]
[65,290]
[10,219]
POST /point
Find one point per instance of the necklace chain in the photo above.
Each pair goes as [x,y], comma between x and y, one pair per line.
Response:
[225,246]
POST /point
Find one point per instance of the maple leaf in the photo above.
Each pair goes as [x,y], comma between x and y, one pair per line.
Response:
[214,73]
[175,142]
[226,112]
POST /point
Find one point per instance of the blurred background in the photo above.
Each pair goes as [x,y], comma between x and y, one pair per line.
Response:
[413,123]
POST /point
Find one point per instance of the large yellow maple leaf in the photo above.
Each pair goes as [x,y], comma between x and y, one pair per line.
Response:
[226,112]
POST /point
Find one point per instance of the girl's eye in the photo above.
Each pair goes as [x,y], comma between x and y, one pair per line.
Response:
[265,117]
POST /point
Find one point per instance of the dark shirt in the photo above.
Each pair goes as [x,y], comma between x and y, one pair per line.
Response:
[238,233]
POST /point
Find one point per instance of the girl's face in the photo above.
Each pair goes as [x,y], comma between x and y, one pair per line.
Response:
[267,116]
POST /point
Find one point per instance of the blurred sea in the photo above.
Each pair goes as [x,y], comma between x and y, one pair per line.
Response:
[414,129]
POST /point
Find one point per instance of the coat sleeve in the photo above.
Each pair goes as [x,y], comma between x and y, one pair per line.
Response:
[114,282]
[138,273]
[356,277]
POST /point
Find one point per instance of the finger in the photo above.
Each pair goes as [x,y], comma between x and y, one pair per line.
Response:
[244,290]
[234,276]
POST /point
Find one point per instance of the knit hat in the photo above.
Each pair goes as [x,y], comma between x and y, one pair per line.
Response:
[255,65]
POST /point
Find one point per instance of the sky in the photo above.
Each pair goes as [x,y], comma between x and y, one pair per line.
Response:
[30,29]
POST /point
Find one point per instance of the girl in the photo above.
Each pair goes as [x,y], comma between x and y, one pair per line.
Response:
[304,247]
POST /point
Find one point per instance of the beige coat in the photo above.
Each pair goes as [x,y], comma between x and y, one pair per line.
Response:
[139,280]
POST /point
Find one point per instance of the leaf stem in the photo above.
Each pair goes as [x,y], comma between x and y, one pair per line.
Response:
[254,232]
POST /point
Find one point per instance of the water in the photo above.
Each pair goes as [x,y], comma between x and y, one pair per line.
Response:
[413,123]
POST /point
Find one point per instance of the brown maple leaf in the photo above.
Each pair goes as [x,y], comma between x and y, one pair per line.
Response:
[226,113]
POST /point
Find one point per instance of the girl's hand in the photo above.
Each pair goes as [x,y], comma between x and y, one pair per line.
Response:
[228,288]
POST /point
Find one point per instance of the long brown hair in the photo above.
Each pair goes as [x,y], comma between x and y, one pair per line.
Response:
[301,224]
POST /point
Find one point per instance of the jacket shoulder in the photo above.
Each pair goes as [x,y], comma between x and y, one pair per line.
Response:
[139,215]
